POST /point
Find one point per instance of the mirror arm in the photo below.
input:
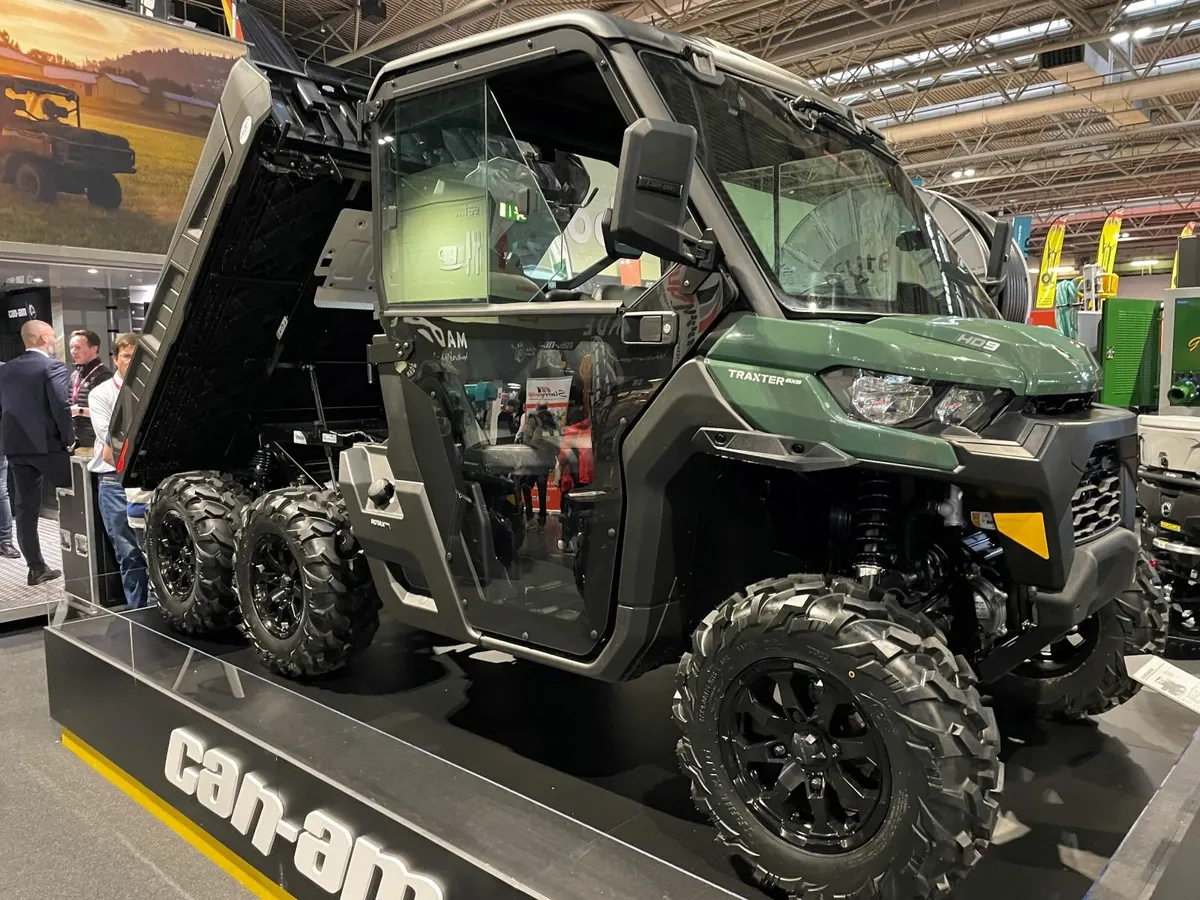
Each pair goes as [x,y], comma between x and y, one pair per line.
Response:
[705,253]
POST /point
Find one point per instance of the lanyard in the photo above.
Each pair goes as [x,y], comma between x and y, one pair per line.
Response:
[79,378]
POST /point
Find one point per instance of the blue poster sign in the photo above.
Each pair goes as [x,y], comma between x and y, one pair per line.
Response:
[1022,228]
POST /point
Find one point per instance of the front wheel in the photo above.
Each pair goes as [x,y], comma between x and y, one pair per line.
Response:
[308,602]
[1081,674]
[104,191]
[838,746]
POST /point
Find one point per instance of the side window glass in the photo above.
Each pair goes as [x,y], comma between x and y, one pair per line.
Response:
[475,212]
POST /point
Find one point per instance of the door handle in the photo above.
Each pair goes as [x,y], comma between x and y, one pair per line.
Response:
[649,328]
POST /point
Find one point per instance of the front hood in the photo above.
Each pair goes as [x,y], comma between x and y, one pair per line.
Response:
[86,136]
[1024,359]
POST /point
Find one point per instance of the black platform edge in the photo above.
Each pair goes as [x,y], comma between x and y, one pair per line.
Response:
[1148,859]
[133,722]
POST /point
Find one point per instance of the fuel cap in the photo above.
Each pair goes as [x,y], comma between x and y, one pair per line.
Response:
[381,492]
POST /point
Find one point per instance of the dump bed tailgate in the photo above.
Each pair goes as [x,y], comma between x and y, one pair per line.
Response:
[284,157]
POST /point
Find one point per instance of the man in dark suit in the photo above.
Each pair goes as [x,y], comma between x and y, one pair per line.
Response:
[36,434]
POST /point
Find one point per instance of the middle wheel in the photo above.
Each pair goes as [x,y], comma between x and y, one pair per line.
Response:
[307,599]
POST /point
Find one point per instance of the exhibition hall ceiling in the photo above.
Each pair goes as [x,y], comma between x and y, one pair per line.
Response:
[985,98]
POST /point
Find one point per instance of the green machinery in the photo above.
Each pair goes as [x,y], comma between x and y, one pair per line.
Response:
[1129,352]
[1179,366]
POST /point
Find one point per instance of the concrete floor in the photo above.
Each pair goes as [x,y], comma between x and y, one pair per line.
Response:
[66,832]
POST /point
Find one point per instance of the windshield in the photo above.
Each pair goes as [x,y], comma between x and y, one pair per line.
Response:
[835,224]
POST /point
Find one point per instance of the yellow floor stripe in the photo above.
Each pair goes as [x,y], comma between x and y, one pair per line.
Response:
[241,871]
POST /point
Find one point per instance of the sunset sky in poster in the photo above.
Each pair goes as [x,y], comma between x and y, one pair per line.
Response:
[82,33]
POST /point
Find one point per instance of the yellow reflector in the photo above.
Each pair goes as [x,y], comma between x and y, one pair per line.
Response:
[1026,529]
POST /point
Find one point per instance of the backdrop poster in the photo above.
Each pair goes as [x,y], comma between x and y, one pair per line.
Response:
[103,115]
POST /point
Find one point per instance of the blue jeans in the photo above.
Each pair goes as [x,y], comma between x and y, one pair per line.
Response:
[124,544]
[6,517]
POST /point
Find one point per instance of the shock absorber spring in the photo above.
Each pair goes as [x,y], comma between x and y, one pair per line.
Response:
[262,469]
[875,527]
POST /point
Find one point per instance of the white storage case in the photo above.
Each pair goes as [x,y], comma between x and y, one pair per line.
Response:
[1170,442]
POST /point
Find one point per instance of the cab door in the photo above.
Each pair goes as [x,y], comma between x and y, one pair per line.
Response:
[524,341]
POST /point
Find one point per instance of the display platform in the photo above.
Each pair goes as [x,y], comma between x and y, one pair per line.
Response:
[498,778]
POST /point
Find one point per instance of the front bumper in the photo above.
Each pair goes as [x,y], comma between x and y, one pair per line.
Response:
[1035,464]
[1102,569]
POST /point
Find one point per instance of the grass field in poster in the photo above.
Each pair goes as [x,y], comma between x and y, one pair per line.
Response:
[89,97]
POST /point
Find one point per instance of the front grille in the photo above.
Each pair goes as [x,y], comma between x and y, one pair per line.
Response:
[103,158]
[1096,506]
[1059,405]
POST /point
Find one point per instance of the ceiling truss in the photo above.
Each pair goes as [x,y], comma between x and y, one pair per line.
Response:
[905,61]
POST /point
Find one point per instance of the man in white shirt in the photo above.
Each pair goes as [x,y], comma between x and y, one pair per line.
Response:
[113,503]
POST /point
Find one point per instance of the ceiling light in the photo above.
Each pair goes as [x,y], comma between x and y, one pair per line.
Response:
[1064,270]
[1144,263]
[1123,236]
[1120,37]
[969,173]
[38,280]
[1142,33]
[93,271]
[957,173]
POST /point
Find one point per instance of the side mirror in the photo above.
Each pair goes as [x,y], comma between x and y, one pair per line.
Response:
[651,200]
[1000,248]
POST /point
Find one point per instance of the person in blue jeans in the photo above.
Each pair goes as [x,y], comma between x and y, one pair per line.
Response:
[113,502]
[7,548]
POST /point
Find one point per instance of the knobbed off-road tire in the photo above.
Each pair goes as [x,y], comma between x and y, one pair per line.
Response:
[104,191]
[307,598]
[1083,674]
[907,728]
[35,181]
[1144,611]
[190,525]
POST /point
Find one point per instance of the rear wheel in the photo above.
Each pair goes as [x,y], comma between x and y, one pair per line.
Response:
[838,746]
[1081,674]
[307,599]
[189,549]
[104,191]
[35,181]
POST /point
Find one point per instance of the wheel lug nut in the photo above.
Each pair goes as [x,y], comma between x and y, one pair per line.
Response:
[779,750]
[796,717]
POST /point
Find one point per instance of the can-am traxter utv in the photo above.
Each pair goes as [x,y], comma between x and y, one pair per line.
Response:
[611,348]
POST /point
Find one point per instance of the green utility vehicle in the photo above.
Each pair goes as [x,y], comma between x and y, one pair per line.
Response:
[735,406]
[45,150]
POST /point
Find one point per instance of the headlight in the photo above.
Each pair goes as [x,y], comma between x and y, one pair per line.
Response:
[959,405]
[888,399]
[902,400]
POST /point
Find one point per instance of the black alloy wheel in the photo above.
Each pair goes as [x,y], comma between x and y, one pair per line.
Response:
[176,555]
[307,599]
[1066,654]
[804,757]
[839,748]
[1079,675]
[189,550]
[277,586]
